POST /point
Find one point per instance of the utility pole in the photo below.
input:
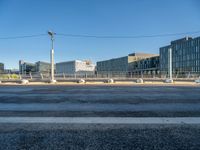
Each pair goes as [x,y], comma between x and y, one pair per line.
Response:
[52,56]
[170,63]
[170,79]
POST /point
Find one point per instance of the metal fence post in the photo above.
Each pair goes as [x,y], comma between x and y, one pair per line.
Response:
[64,75]
[30,75]
[20,77]
[41,75]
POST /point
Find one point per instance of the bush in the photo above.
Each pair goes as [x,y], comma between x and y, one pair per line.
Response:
[9,76]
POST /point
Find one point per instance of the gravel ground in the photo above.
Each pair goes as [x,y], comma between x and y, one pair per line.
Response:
[99,137]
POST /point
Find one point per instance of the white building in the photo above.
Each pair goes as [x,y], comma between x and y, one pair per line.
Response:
[75,67]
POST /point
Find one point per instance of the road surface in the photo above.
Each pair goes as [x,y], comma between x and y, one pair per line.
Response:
[100,117]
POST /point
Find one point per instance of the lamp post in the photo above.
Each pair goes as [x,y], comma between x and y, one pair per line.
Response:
[170,79]
[170,63]
[52,56]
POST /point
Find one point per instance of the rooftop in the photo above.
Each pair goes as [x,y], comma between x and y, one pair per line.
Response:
[141,54]
[181,40]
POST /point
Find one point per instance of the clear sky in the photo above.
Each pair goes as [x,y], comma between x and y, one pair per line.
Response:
[91,17]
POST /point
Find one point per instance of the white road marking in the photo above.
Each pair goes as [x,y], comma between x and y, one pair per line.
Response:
[103,120]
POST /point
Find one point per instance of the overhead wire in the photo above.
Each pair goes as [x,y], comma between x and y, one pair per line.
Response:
[102,36]
[21,37]
[126,37]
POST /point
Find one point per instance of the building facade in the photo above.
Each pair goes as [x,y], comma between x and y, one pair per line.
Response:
[42,67]
[113,65]
[185,57]
[38,67]
[122,65]
[26,67]
[1,67]
[11,71]
[146,66]
[75,67]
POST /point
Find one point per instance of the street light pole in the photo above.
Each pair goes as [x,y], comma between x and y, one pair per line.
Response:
[52,56]
[170,63]
[170,79]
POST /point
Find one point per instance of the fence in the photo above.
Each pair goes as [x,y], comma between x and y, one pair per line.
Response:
[120,75]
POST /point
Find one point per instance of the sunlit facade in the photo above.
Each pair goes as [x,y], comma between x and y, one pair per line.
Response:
[75,67]
[185,56]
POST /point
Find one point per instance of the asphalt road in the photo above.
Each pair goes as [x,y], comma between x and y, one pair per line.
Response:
[99,137]
[99,101]
[105,101]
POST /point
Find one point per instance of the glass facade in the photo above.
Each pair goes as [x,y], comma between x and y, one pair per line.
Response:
[42,67]
[1,67]
[185,56]
[113,65]
[122,64]
[38,67]
[25,67]
[146,66]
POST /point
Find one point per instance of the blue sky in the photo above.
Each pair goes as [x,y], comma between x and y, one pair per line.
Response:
[91,17]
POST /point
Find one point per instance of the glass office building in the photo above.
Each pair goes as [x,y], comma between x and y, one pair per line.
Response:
[121,65]
[38,67]
[185,57]
[42,67]
[146,66]
[26,67]
[1,67]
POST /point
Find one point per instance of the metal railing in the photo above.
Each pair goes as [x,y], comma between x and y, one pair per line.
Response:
[104,75]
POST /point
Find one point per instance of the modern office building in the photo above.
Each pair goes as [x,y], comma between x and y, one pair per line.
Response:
[75,67]
[113,65]
[42,67]
[11,71]
[38,67]
[146,66]
[185,56]
[26,67]
[1,67]
[122,65]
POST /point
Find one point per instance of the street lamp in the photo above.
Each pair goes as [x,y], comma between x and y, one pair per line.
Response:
[170,79]
[170,63]
[52,56]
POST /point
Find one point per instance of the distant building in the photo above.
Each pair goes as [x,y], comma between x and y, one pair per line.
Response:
[1,67]
[11,71]
[75,67]
[42,67]
[120,65]
[146,66]
[185,56]
[26,67]
[38,67]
